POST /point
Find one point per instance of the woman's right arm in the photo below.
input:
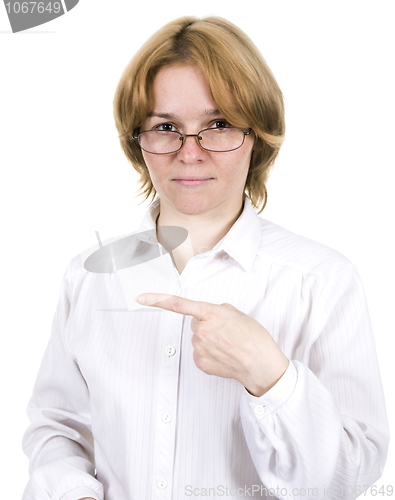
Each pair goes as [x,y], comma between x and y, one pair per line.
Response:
[59,441]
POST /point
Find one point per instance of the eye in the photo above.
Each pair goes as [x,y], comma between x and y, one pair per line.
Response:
[220,124]
[166,127]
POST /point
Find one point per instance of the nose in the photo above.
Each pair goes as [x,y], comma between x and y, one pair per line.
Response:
[190,150]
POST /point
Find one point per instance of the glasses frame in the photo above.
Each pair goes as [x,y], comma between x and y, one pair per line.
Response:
[197,138]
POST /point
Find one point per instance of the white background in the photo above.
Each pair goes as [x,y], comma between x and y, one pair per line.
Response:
[64,175]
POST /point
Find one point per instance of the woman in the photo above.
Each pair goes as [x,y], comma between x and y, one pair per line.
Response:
[253,371]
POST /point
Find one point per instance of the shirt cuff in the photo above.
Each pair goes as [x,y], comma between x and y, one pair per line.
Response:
[275,397]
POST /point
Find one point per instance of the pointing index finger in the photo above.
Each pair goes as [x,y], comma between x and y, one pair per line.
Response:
[174,303]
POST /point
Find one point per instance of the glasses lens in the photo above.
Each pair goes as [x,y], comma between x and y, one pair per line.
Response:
[160,142]
[222,139]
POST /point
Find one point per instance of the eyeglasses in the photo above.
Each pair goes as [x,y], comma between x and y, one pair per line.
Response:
[161,142]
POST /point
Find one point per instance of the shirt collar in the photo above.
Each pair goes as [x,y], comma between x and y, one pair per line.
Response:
[241,242]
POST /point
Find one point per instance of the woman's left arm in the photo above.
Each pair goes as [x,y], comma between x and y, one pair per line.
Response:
[322,429]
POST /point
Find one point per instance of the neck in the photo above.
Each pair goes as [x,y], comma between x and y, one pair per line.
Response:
[204,231]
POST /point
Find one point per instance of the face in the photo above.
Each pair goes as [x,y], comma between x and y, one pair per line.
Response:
[181,101]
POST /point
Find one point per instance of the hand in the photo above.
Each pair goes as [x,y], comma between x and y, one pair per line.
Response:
[228,343]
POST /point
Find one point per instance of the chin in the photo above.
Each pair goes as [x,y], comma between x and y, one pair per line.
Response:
[189,205]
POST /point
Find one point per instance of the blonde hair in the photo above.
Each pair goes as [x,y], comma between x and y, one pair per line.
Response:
[241,83]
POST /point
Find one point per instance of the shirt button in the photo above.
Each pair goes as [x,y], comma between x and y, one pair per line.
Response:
[170,350]
[161,483]
[177,291]
[166,417]
[259,410]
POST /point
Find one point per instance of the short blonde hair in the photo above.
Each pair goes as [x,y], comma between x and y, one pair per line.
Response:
[241,83]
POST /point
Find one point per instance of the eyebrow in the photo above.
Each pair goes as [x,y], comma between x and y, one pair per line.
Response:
[171,116]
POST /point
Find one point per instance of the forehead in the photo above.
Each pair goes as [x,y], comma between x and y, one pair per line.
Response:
[181,89]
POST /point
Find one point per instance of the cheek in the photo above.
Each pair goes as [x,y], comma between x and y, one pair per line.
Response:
[238,165]
[247,160]
[157,167]
[152,162]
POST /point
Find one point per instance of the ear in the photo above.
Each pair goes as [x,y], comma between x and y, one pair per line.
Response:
[258,144]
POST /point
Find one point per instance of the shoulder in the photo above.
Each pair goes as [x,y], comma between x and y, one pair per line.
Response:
[296,252]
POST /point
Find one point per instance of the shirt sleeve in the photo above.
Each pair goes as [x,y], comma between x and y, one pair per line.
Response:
[322,430]
[59,440]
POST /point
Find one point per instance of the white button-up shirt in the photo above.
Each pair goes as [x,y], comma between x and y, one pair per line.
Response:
[121,412]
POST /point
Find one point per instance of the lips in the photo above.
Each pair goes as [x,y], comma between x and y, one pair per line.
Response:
[192,178]
[193,181]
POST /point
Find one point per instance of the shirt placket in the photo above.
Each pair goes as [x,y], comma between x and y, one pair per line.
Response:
[166,410]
